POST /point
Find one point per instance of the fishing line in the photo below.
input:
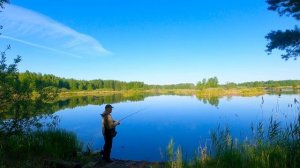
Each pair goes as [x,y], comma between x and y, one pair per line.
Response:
[132,114]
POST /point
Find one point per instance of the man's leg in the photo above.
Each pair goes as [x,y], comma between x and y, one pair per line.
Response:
[107,147]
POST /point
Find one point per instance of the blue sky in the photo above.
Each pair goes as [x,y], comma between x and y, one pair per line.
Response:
[155,41]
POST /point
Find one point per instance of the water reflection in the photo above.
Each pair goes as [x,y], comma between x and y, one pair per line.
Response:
[24,115]
[38,108]
[186,119]
[284,91]
[213,100]
[73,102]
[34,108]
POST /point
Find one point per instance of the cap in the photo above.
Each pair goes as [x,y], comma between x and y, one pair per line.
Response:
[108,106]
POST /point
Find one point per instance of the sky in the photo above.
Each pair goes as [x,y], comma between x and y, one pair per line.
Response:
[154,41]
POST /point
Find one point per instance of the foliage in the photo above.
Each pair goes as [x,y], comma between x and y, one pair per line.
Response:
[271,144]
[230,85]
[18,114]
[270,83]
[285,7]
[209,83]
[37,82]
[48,93]
[174,160]
[212,100]
[16,100]
[172,86]
[213,94]
[288,40]
[20,149]
[21,145]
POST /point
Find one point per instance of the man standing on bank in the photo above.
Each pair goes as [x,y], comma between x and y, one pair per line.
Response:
[108,131]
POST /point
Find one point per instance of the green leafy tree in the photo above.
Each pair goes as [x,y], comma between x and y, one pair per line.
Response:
[109,84]
[16,112]
[288,40]
[295,86]
[201,85]
[209,83]
[48,93]
[230,85]
[212,82]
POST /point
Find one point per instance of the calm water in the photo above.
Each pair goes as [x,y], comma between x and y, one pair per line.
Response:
[186,119]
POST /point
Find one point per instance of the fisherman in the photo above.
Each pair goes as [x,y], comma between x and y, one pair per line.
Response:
[108,131]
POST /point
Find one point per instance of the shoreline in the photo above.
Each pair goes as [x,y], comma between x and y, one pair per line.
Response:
[210,92]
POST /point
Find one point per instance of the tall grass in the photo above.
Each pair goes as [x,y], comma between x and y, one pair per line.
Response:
[174,157]
[27,150]
[271,145]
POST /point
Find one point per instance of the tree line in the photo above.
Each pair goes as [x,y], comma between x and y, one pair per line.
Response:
[38,82]
[271,83]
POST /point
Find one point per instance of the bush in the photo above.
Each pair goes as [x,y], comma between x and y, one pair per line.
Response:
[34,147]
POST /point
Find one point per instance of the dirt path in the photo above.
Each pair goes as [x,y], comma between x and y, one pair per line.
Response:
[122,164]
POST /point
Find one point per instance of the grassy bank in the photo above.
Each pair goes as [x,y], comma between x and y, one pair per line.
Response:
[271,145]
[205,92]
[212,92]
[128,93]
[32,149]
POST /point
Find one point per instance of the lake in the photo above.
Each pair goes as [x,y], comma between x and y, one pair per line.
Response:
[188,120]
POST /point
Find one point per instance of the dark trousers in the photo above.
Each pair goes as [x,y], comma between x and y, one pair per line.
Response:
[108,140]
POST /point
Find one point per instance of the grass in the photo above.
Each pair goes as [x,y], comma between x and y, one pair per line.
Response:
[174,156]
[30,150]
[210,92]
[201,93]
[271,145]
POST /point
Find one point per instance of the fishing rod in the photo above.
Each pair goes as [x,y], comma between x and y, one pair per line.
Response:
[132,114]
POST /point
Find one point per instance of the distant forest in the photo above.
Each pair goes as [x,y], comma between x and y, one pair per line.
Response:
[38,81]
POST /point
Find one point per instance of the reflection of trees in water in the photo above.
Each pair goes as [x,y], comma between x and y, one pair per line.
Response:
[19,113]
[213,100]
[283,91]
[22,116]
[29,112]
[72,102]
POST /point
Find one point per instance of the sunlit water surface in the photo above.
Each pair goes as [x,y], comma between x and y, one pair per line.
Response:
[186,119]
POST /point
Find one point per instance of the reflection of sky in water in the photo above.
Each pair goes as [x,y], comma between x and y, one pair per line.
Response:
[145,135]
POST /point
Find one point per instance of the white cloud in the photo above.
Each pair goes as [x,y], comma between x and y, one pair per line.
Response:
[37,30]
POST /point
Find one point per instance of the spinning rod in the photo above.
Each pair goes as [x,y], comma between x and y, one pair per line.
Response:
[132,114]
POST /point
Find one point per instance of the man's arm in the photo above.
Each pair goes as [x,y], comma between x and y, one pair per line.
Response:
[111,123]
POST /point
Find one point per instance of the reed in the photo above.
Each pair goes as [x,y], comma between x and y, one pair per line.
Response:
[34,147]
[271,144]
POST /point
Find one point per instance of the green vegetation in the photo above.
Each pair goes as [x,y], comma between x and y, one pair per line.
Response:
[272,84]
[22,144]
[217,92]
[209,83]
[38,81]
[288,40]
[31,150]
[271,144]
[25,141]
[52,85]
